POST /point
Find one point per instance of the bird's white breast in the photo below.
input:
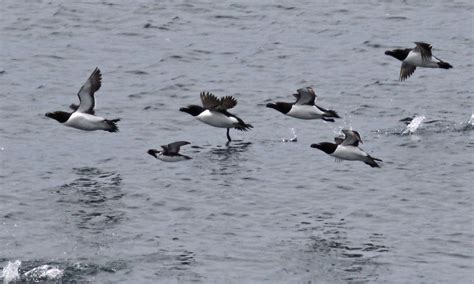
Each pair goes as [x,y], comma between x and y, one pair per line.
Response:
[174,158]
[415,59]
[85,121]
[305,112]
[217,119]
[349,153]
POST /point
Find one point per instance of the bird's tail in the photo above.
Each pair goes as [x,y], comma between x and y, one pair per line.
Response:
[444,65]
[112,124]
[328,114]
[328,119]
[371,162]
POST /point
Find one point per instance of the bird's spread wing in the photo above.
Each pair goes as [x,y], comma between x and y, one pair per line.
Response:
[227,102]
[209,101]
[352,138]
[173,148]
[86,93]
[305,96]
[406,71]
[424,49]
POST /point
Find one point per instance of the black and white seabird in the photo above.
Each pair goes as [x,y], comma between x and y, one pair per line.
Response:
[214,112]
[347,148]
[420,56]
[304,107]
[170,152]
[83,117]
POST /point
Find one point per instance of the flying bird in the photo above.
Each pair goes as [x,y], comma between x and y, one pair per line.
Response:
[170,152]
[83,115]
[347,148]
[304,107]
[214,112]
[420,56]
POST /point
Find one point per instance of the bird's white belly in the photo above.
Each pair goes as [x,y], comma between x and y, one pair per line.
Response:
[217,119]
[174,158]
[85,121]
[305,112]
[349,153]
[415,59]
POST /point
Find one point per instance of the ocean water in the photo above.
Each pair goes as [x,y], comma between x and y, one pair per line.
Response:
[94,207]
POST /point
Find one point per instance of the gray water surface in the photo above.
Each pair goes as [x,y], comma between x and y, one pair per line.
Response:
[95,206]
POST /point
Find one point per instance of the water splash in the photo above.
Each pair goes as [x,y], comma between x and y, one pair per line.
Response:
[470,122]
[414,125]
[10,271]
[294,139]
[44,272]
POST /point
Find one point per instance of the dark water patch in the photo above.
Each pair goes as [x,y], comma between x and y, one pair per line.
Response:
[49,56]
[180,58]
[131,34]
[202,51]
[178,87]
[374,45]
[341,11]
[149,25]
[396,18]
[138,95]
[137,72]
[226,17]
[283,7]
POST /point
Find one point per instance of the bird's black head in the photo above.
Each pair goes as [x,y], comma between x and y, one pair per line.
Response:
[60,116]
[281,107]
[399,54]
[153,152]
[326,147]
[193,110]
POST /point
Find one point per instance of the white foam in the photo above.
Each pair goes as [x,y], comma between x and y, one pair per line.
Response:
[44,272]
[10,271]
[414,124]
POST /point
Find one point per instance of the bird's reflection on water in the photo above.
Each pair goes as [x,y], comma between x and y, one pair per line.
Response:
[222,161]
